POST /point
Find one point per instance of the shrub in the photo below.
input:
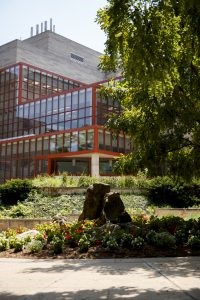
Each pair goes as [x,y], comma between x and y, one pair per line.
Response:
[168,223]
[49,231]
[161,239]
[194,242]
[164,191]
[15,190]
[151,237]
[126,240]
[19,210]
[138,243]
[18,244]
[35,246]
[111,243]
[4,244]
[181,236]
[56,245]
[84,243]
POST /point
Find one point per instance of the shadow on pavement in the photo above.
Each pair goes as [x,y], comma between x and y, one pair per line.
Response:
[182,267]
[112,293]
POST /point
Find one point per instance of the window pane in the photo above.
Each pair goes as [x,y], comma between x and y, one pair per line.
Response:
[82,99]
[74,141]
[89,97]
[82,140]
[66,147]
[59,143]
[74,100]
[90,139]
[68,102]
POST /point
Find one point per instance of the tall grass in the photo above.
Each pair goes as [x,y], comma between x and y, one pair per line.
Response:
[64,180]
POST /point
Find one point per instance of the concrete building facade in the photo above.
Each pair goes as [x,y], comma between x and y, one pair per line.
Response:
[51,113]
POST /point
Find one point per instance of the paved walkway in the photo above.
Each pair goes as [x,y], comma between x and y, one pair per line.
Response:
[137,279]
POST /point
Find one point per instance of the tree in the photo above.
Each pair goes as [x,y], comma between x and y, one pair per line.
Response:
[156,45]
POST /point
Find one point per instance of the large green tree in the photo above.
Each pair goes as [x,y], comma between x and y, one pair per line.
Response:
[156,45]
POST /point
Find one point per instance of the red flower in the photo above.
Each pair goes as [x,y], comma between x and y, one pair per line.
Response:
[97,242]
[68,237]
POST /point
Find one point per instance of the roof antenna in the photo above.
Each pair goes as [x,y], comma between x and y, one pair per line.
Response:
[51,24]
[31,31]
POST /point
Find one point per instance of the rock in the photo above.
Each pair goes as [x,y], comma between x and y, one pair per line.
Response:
[94,202]
[61,220]
[125,217]
[31,233]
[102,205]
[114,209]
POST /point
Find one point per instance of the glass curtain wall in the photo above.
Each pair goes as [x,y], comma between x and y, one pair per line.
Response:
[17,157]
[38,84]
[67,111]
[9,91]
[16,87]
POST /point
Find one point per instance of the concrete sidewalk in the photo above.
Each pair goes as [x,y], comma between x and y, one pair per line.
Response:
[138,279]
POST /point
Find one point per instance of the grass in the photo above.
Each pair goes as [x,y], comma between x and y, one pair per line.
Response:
[65,180]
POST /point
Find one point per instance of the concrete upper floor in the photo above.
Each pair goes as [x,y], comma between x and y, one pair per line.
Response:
[53,52]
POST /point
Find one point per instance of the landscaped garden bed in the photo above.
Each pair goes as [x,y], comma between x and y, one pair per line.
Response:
[146,235]
[143,237]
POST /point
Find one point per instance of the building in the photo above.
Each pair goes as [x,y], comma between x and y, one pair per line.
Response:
[51,114]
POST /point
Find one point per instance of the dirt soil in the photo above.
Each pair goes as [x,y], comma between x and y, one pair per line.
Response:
[100,253]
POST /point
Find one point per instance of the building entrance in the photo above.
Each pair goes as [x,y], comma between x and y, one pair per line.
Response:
[73,166]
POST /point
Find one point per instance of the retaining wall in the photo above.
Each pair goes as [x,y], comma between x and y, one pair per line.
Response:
[29,223]
[180,212]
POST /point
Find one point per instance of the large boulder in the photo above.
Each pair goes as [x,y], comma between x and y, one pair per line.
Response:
[102,205]
[94,202]
[114,209]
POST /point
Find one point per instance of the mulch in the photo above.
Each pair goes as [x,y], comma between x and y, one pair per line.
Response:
[99,252]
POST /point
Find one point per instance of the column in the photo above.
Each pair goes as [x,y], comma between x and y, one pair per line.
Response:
[95,164]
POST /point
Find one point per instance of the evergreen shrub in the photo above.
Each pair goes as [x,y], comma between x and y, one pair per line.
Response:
[15,190]
[164,191]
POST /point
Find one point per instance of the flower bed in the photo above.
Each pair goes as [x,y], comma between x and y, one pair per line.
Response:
[143,237]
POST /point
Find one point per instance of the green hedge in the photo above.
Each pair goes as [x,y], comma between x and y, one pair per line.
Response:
[15,190]
[163,191]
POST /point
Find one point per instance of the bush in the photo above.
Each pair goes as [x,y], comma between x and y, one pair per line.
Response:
[4,244]
[138,243]
[168,223]
[20,210]
[18,244]
[126,240]
[56,245]
[110,243]
[84,243]
[15,190]
[161,239]
[194,242]
[164,191]
[35,246]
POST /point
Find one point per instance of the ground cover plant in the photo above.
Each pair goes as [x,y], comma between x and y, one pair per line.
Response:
[144,237]
[38,205]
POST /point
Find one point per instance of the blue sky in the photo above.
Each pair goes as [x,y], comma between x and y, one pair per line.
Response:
[74,19]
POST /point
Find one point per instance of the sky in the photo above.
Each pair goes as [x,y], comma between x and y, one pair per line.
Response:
[74,19]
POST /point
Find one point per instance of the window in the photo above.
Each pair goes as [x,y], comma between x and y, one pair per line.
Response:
[77,57]
[105,166]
